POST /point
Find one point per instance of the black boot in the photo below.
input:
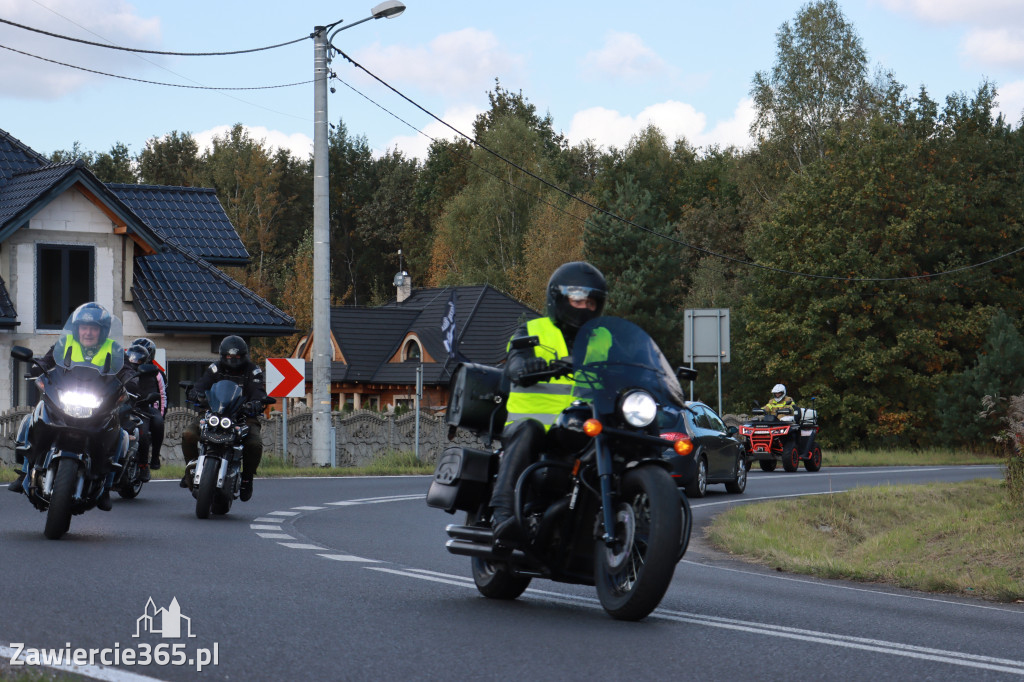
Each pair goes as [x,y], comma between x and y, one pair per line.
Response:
[15,485]
[104,502]
[154,462]
[521,448]
[245,492]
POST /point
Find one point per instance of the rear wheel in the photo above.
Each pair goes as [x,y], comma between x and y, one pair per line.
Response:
[813,461]
[767,464]
[632,576]
[58,515]
[738,484]
[207,488]
[790,459]
[698,487]
[494,580]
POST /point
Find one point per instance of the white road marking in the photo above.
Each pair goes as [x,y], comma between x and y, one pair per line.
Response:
[276,536]
[256,526]
[300,545]
[264,519]
[376,500]
[309,508]
[283,513]
[349,557]
[763,629]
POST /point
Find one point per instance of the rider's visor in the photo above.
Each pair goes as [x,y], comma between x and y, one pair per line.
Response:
[579,294]
[778,395]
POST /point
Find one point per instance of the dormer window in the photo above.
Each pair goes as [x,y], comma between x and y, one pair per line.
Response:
[411,352]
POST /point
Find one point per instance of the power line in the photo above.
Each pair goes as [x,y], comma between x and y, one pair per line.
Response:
[140,80]
[161,52]
[693,247]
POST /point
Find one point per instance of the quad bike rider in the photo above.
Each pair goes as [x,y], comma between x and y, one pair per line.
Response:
[781,431]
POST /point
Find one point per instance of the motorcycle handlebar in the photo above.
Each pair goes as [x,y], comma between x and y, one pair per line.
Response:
[556,369]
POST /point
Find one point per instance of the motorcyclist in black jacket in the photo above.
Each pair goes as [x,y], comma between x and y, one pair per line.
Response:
[156,383]
[234,365]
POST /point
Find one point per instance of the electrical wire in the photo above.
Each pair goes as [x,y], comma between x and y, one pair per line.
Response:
[626,221]
[161,52]
[140,80]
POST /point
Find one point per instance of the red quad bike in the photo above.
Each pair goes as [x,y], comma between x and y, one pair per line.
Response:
[789,437]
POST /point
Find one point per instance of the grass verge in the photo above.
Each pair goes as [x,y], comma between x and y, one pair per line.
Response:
[959,538]
[905,457]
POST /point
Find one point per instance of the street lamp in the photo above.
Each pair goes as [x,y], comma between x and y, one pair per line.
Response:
[322,351]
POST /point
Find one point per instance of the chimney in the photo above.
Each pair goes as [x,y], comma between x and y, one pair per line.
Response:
[404,285]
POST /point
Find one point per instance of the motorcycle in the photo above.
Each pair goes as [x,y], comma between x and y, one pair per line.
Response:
[600,507]
[215,478]
[79,417]
[129,484]
[789,437]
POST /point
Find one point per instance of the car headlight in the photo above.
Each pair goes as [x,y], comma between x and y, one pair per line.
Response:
[79,405]
[639,408]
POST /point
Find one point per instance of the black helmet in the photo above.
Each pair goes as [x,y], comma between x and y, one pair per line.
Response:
[577,281]
[91,313]
[148,345]
[233,352]
[137,354]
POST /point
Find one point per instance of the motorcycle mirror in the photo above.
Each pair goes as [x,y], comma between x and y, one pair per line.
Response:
[269,401]
[523,342]
[686,373]
[21,353]
[186,384]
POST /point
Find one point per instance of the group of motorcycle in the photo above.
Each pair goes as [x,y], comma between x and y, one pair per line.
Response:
[91,424]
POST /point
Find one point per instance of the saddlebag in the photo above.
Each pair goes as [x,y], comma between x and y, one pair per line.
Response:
[477,399]
[461,479]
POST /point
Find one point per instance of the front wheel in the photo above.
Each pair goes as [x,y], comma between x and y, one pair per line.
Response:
[494,580]
[632,576]
[207,488]
[58,516]
[790,459]
[767,464]
[131,483]
[813,461]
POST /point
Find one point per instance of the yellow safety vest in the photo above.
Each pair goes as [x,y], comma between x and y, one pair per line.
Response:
[545,400]
[78,356]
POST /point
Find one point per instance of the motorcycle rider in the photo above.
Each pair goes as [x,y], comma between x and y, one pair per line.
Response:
[89,342]
[576,293]
[234,365]
[779,401]
[156,411]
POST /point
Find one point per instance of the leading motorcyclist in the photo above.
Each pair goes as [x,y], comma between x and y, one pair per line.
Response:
[234,365]
[89,341]
[576,294]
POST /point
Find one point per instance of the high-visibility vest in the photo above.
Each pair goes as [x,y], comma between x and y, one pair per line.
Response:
[545,400]
[78,356]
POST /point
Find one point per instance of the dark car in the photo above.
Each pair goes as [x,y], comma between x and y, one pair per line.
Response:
[718,454]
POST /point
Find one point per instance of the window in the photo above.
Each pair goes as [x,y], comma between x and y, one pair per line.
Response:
[64,281]
[182,371]
[411,351]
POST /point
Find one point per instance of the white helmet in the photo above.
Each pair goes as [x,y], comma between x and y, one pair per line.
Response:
[778,391]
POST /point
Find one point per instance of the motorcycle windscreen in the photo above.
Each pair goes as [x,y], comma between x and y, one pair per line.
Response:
[610,355]
[224,397]
[104,352]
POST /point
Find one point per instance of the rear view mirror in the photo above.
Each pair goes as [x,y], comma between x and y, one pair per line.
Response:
[686,373]
[523,342]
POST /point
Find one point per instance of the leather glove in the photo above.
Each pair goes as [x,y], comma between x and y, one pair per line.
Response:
[254,406]
[191,395]
[531,365]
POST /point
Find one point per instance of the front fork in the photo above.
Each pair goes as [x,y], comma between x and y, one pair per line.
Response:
[604,473]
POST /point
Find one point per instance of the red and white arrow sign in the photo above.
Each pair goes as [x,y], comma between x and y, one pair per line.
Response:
[286,377]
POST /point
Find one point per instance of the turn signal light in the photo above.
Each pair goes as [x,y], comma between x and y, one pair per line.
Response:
[683,446]
[592,427]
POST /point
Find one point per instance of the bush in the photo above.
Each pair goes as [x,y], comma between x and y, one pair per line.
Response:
[1012,440]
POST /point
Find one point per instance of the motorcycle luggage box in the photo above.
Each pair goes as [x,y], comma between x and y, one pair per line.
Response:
[477,398]
[461,479]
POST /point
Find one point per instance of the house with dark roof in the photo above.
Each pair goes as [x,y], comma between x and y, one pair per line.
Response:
[148,254]
[378,351]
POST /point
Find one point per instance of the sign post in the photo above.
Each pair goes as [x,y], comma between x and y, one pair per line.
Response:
[286,378]
[707,340]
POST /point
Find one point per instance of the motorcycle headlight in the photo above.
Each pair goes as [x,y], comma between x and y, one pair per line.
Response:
[213,420]
[639,408]
[79,405]
[225,423]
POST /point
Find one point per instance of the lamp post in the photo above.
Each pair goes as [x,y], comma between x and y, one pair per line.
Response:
[322,350]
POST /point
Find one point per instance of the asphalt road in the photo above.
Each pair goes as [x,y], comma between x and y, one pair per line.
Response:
[341,579]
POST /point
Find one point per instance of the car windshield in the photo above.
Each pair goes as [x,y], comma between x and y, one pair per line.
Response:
[90,345]
[612,354]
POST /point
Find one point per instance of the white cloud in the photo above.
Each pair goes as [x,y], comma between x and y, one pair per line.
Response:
[999,47]
[299,145]
[609,128]
[101,21]
[976,12]
[1011,102]
[462,62]
[623,56]
[416,146]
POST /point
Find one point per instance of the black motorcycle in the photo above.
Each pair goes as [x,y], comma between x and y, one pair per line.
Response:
[215,478]
[79,417]
[130,481]
[600,506]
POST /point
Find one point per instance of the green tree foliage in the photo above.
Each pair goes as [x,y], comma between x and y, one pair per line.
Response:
[115,166]
[996,373]
[170,160]
[351,188]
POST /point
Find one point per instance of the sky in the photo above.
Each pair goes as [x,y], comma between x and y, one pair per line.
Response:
[602,70]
